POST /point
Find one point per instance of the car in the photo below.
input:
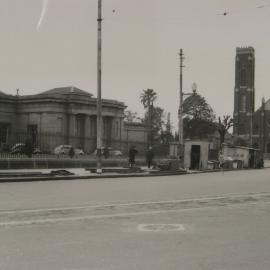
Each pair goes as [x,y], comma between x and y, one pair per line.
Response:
[111,152]
[19,148]
[64,149]
[116,153]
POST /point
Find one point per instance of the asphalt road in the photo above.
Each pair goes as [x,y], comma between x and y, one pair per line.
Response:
[204,221]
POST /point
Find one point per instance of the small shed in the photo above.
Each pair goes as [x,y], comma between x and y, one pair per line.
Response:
[196,154]
[247,156]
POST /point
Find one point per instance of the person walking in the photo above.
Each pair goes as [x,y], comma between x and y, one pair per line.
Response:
[71,152]
[149,157]
[132,153]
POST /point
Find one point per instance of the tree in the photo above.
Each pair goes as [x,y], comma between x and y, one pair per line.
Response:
[199,117]
[157,123]
[147,99]
[195,106]
[223,125]
[198,128]
[131,116]
[166,135]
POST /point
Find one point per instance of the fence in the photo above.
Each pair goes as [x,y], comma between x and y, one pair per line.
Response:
[45,143]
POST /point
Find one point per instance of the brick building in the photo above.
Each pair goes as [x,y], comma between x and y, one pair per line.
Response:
[253,127]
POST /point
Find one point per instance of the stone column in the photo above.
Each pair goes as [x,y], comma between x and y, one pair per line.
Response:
[87,134]
[72,129]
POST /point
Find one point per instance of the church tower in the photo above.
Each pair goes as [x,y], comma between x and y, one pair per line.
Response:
[244,93]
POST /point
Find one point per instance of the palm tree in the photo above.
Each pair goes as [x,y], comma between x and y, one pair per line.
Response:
[147,99]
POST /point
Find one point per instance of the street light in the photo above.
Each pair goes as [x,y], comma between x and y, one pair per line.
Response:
[99,101]
[181,126]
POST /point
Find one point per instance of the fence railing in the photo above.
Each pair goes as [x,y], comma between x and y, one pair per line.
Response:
[47,142]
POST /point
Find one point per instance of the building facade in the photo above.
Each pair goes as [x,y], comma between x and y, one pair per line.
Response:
[64,115]
[252,126]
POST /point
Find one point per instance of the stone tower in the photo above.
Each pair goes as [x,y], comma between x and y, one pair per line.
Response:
[244,93]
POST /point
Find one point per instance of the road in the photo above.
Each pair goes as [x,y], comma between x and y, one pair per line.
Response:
[200,221]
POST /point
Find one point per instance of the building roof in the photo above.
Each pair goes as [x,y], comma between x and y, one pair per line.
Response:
[66,91]
[266,106]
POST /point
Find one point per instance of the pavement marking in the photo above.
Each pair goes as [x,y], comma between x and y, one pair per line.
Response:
[232,196]
[94,217]
[160,227]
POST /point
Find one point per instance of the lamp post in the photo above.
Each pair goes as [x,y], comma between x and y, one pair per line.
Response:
[181,98]
[99,101]
[180,110]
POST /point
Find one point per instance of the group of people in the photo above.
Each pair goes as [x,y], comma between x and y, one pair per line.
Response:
[133,152]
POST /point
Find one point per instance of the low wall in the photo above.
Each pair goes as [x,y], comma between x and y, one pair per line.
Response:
[53,163]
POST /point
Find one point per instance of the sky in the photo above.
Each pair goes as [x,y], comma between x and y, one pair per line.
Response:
[141,42]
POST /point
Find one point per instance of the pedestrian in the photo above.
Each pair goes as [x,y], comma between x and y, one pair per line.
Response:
[132,153]
[149,157]
[71,152]
[106,152]
[221,160]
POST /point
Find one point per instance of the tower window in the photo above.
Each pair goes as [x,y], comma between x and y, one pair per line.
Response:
[256,129]
[243,104]
[243,77]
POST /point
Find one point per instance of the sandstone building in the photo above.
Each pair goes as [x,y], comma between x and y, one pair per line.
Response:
[65,115]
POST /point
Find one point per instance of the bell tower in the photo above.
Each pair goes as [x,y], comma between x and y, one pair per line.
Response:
[244,93]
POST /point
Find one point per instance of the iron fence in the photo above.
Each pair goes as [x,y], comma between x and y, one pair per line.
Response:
[44,145]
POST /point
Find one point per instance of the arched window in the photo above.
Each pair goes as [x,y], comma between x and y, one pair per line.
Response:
[243,104]
[243,77]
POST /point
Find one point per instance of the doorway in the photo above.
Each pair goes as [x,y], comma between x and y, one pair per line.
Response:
[195,157]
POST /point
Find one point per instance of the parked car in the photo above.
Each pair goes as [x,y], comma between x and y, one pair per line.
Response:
[65,148]
[19,148]
[111,152]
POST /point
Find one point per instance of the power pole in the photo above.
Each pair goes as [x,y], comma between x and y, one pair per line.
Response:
[99,101]
[180,110]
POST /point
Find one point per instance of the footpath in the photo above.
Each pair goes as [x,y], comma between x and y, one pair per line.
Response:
[45,174]
[26,175]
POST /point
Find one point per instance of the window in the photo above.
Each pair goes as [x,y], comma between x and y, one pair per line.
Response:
[243,77]
[256,129]
[32,131]
[4,133]
[80,120]
[243,104]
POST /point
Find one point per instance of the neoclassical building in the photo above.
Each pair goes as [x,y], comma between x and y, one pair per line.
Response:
[65,115]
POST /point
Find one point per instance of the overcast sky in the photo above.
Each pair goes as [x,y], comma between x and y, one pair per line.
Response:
[141,42]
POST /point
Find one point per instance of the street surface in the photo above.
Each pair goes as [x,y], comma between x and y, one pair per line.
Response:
[199,221]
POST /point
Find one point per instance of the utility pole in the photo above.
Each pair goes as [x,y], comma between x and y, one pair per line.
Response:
[99,101]
[180,110]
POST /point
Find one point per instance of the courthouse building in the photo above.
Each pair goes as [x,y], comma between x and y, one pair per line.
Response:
[65,115]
